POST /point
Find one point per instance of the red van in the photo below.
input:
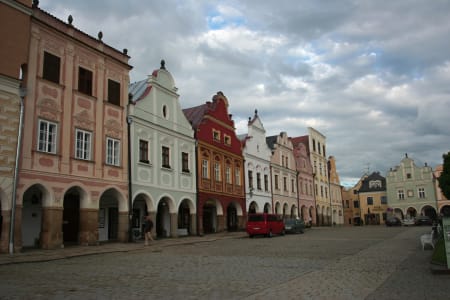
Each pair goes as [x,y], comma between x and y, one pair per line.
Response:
[265,224]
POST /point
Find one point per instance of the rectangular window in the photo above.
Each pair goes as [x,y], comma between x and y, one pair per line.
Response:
[165,152]
[276,182]
[185,162]
[292,186]
[258,181]
[227,140]
[217,171]
[400,194]
[85,81]
[47,136]
[250,179]
[383,200]
[347,204]
[112,151]
[83,144]
[216,135]
[356,204]
[228,174]
[143,151]
[51,67]
[369,200]
[113,92]
[421,193]
[238,176]
[266,182]
[285,183]
[205,169]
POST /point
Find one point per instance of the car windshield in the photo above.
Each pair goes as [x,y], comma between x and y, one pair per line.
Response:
[255,218]
[289,222]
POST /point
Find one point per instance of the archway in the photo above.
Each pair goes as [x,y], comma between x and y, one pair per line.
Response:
[140,210]
[411,213]
[267,208]
[71,216]
[285,210]
[445,210]
[209,217]
[429,211]
[278,208]
[108,216]
[398,213]
[32,216]
[294,212]
[232,218]
[163,228]
[184,217]
[253,208]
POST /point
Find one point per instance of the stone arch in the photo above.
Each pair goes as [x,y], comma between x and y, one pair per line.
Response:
[267,208]
[428,210]
[186,217]
[253,207]
[411,212]
[278,208]
[75,197]
[445,211]
[285,210]
[165,216]
[112,216]
[398,213]
[294,212]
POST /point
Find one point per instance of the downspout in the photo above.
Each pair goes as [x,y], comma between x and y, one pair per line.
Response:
[130,190]
[22,94]
[197,222]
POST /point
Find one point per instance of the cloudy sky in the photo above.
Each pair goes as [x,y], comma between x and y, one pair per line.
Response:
[372,76]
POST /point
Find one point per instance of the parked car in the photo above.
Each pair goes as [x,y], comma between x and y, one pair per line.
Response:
[294,226]
[264,224]
[408,222]
[393,221]
[423,220]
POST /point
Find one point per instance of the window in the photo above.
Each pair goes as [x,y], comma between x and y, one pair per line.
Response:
[356,204]
[228,174]
[227,140]
[374,184]
[83,144]
[369,200]
[292,186]
[266,182]
[205,169]
[326,192]
[408,175]
[383,200]
[164,111]
[314,145]
[113,92]
[185,162]
[216,135]
[85,81]
[282,160]
[258,181]
[165,157]
[112,151]
[318,146]
[51,68]
[410,193]
[143,151]
[421,193]
[237,176]
[321,191]
[287,162]
[323,147]
[347,204]
[47,137]
[250,179]
[400,194]
[276,182]
[217,171]
[285,183]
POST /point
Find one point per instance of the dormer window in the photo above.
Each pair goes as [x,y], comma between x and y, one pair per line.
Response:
[374,184]
[216,135]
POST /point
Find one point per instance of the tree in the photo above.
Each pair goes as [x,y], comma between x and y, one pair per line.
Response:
[444,178]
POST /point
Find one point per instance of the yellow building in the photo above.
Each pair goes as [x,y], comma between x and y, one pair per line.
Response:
[373,199]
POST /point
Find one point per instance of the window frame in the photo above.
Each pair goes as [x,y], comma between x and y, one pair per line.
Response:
[112,151]
[51,67]
[114,88]
[50,139]
[143,151]
[165,157]
[185,162]
[205,169]
[83,151]
[85,81]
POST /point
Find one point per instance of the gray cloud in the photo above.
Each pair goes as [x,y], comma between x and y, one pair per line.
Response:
[373,78]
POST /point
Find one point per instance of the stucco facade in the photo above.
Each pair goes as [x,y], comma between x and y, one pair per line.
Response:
[351,203]
[337,216]
[443,204]
[284,176]
[15,33]
[220,167]
[258,190]
[305,180]
[73,181]
[162,157]
[317,155]
[411,190]
[373,199]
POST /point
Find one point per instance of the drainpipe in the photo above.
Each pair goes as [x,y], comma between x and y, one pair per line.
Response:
[22,94]
[130,191]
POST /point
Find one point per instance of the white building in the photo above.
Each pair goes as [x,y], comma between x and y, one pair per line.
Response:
[257,155]
[162,157]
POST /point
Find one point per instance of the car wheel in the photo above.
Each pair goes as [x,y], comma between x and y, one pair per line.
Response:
[269,235]
[250,236]
[283,232]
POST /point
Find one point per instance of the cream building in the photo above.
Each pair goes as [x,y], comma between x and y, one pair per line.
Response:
[337,214]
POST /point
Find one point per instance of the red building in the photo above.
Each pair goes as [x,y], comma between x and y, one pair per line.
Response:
[220,167]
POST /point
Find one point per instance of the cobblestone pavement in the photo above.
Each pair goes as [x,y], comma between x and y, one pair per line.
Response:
[324,263]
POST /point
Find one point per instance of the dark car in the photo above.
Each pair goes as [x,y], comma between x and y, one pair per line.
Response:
[294,226]
[423,220]
[393,221]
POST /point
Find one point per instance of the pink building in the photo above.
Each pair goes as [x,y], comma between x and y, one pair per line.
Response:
[73,180]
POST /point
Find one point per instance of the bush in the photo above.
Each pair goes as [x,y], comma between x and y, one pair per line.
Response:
[439,256]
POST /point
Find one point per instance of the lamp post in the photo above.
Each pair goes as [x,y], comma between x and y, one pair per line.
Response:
[22,94]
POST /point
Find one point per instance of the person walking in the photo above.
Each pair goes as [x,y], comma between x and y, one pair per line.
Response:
[148,226]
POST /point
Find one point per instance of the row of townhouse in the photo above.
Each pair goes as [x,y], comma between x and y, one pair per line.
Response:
[96,154]
[407,191]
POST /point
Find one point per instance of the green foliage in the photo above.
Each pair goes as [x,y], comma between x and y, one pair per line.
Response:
[439,256]
[444,179]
